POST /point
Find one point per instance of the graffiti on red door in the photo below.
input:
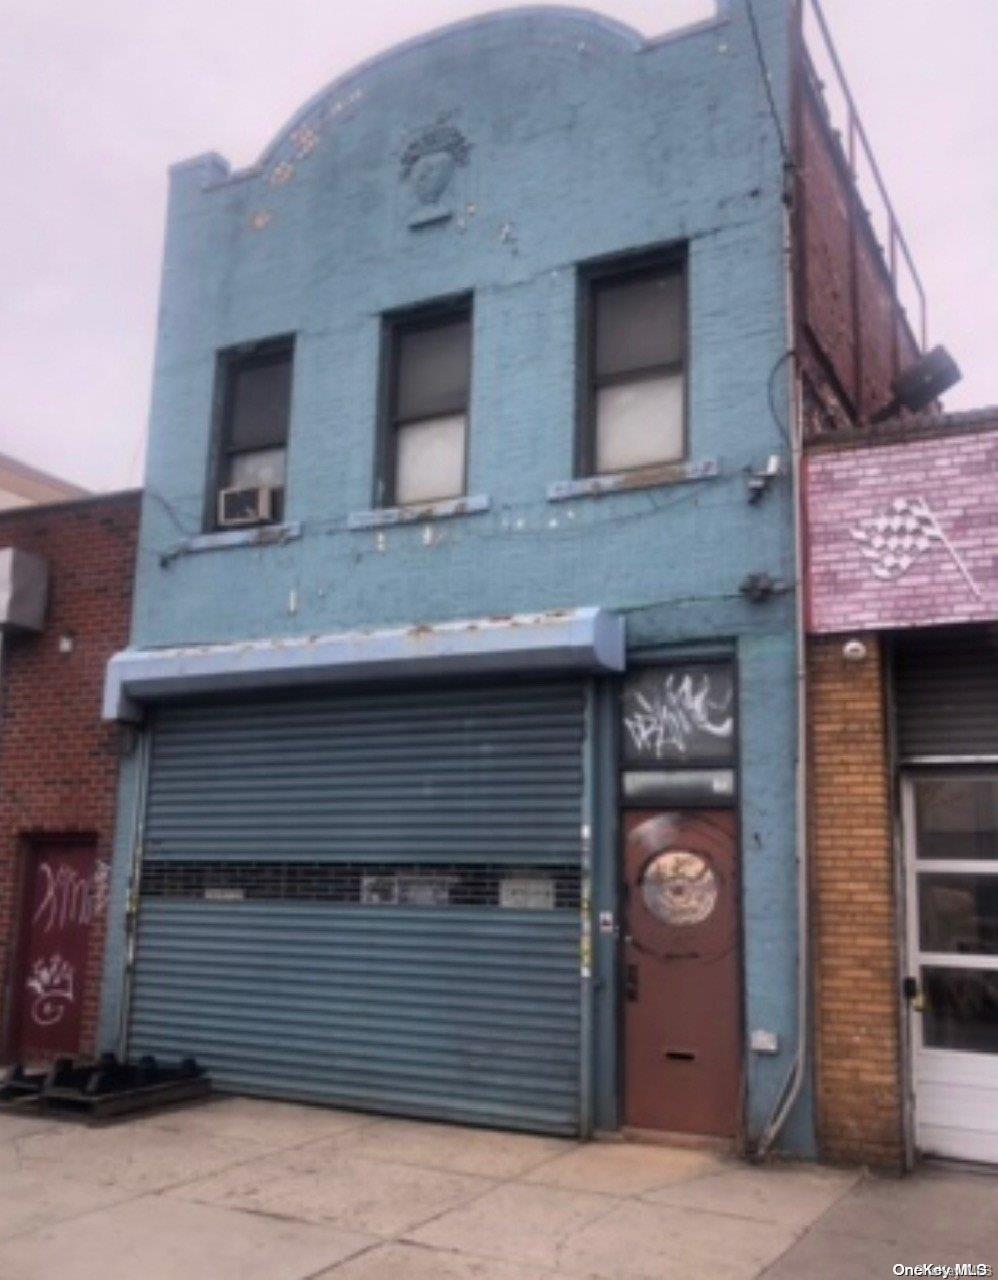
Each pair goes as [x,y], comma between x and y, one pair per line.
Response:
[51,985]
[66,894]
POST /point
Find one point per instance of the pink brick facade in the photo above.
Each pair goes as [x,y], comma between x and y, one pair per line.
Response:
[932,560]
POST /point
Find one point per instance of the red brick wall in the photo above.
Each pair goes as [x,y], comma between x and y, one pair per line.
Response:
[58,762]
[858,1047]
[852,341]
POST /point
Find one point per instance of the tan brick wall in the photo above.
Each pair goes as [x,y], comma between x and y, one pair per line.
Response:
[854,922]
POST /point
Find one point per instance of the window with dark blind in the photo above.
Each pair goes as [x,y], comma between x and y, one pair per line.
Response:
[425,432]
[634,411]
[252,434]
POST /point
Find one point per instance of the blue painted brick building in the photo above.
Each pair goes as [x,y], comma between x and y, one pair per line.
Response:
[464,771]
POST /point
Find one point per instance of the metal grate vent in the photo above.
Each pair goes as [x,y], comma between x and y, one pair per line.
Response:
[546,888]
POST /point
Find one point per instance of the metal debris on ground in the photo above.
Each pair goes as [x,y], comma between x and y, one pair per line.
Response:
[103,1089]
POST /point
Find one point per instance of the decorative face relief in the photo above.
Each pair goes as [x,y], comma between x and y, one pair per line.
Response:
[679,888]
[431,176]
[429,164]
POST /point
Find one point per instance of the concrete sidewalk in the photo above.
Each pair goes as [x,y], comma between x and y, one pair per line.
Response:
[243,1190]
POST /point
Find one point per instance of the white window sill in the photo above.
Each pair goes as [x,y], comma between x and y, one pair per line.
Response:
[381,517]
[666,473]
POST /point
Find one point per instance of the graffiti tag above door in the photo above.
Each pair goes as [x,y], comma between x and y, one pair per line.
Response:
[680,716]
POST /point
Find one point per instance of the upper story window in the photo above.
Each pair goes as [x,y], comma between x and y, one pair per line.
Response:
[425,432]
[634,411]
[254,399]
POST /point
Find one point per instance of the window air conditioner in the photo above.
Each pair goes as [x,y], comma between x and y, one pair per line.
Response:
[237,507]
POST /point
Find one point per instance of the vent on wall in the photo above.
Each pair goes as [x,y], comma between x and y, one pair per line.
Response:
[23,590]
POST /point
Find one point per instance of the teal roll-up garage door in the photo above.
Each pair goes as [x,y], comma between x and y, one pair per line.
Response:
[370,899]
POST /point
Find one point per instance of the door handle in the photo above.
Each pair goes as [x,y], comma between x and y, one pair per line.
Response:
[632,982]
[910,991]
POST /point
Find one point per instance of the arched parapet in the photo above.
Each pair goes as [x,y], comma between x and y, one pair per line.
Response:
[300,134]
[552,25]
[559,22]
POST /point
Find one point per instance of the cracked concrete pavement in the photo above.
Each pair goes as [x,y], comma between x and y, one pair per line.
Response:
[237,1189]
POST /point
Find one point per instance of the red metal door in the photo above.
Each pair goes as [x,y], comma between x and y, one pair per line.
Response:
[60,901]
[682,1065]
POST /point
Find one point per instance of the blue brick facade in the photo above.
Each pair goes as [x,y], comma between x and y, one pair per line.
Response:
[582,141]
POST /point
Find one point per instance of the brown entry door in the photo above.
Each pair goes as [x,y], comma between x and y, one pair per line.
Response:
[682,1064]
[58,909]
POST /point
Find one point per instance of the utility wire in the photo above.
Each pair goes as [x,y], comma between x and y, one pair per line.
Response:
[781,426]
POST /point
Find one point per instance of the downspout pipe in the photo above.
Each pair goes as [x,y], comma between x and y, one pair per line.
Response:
[794,1081]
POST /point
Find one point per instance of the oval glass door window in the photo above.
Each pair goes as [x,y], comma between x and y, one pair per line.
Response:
[679,888]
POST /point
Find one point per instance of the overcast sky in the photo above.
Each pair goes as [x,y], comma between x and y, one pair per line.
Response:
[98,98]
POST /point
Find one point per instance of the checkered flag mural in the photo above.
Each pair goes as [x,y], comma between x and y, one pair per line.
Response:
[894,541]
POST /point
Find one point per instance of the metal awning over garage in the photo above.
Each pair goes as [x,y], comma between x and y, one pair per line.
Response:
[559,641]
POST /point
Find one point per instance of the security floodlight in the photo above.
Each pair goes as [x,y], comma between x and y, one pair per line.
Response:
[921,383]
